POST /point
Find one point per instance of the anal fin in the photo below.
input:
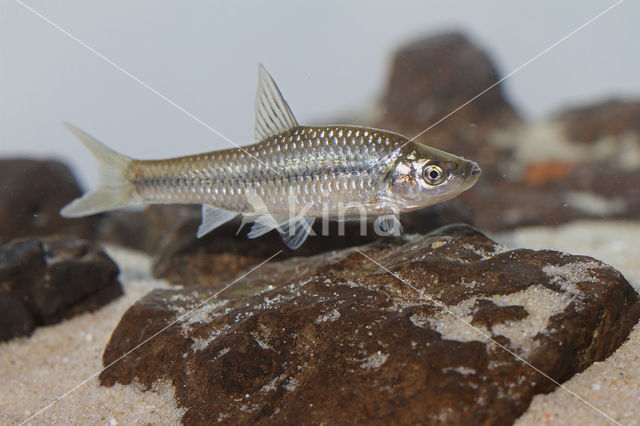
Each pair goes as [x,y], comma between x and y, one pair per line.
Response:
[295,232]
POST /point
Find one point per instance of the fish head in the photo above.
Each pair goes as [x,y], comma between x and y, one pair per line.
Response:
[422,176]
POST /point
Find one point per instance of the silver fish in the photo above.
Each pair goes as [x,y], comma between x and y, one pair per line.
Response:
[292,176]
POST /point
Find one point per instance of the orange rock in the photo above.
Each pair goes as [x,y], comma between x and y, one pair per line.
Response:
[538,174]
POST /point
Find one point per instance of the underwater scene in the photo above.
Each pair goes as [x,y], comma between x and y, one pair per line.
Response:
[435,247]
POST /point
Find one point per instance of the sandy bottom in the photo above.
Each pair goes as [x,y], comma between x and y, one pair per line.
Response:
[57,359]
[34,372]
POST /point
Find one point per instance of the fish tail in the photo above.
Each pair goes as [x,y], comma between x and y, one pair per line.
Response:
[114,190]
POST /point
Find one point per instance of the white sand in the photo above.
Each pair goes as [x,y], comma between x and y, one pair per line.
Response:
[36,371]
[613,386]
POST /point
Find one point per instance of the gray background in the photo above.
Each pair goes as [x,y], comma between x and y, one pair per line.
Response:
[330,59]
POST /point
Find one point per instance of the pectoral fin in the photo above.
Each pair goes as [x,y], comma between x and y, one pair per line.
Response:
[293,232]
[389,225]
[263,224]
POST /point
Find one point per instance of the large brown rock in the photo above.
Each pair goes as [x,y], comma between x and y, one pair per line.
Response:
[45,281]
[340,339]
[32,192]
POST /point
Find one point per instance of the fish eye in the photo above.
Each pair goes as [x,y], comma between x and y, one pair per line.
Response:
[433,174]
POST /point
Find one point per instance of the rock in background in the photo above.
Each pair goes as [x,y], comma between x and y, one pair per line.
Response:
[32,192]
[581,163]
[44,281]
[432,77]
[339,338]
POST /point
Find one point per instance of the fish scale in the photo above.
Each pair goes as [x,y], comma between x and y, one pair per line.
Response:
[223,179]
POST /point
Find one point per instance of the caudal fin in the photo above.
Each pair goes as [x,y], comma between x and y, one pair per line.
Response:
[114,190]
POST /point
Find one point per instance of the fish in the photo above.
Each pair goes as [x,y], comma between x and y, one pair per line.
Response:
[291,176]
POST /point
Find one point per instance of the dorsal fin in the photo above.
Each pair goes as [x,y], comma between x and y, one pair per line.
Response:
[273,115]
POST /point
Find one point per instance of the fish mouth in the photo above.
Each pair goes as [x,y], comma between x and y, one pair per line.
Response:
[474,170]
[472,174]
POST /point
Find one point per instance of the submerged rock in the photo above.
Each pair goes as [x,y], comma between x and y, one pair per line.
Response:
[432,77]
[45,281]
[582,164]
[149,230]
[555,193]
[614,119]
[32,192]
[396,331]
